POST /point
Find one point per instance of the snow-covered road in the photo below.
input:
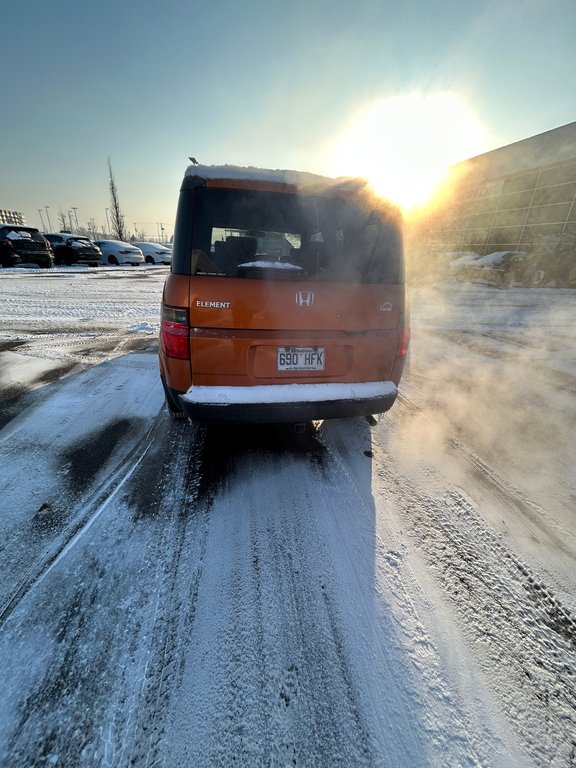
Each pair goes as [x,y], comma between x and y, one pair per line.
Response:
[210,596]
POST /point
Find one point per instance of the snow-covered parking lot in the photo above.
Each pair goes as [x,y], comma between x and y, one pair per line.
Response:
[180,595]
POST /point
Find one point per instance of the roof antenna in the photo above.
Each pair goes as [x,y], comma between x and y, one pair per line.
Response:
[193,160]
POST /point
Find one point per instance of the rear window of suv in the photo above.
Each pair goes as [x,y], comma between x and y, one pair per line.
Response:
[21,233]
[277,235]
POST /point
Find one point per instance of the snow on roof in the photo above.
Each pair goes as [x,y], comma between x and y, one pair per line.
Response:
[496,257]
[152,245]
[252,173]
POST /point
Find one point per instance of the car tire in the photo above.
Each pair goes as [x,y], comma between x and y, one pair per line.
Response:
[150,260]
[113,260]
[571,279]
[536,279]
[174,410]
[175,413]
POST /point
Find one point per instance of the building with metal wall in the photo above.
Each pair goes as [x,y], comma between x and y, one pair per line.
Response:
[11,217]
[512,198]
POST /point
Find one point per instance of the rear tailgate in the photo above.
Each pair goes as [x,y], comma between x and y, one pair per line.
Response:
[263,331]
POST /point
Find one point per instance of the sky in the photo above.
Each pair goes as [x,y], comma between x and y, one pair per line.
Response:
[393,91]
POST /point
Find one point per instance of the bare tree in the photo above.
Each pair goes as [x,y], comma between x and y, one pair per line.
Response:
[91,227]
[62,221]
[118,228]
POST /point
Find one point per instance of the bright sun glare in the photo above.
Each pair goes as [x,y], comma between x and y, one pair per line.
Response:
[404,146]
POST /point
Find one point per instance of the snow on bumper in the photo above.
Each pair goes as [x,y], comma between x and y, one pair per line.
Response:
[288,402]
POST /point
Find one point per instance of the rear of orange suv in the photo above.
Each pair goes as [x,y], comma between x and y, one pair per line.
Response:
[285,300]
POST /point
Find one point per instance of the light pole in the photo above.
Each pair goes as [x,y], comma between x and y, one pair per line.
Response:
[76,217]
[48,217]
[70,221]
[41,219]
[107,222]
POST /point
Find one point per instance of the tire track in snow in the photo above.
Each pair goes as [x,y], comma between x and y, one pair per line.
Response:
[531,515]
[120,625]
[184,523]
[408,663]
[81,522]
[267,677]
[521,635]
[515,500]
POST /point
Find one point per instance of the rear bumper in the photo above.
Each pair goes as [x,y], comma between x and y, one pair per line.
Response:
[85,262]
[41,259]
[286,403]
[87,258]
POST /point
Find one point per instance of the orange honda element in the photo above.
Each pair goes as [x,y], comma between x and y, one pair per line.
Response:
[285,298]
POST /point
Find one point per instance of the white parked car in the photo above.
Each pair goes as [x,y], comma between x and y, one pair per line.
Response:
[459,260]
[155,253]
[117,252]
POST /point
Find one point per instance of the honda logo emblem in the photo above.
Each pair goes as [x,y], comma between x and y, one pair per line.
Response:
[304,298]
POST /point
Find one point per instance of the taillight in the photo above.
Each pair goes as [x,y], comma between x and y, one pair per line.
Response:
[6,243]
[175,332]
[403,338]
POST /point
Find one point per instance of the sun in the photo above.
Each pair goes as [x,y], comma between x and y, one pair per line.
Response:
[405,145]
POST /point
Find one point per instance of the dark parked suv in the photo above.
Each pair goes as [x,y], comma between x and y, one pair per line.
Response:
[73,249]
[20,244]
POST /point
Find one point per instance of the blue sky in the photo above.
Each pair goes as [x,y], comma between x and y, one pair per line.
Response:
[278,84]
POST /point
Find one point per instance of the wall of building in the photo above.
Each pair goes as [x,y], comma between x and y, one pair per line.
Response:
[511,198]
[11,217]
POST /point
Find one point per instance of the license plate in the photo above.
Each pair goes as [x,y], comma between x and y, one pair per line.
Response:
[301,358]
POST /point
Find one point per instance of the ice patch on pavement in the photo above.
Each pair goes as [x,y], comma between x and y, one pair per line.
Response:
[144,328]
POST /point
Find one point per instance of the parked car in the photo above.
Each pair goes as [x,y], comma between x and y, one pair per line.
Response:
[20,244]
[458,260]
[553,261]
[73,249]
[117,252]
[501,269]
[155,253]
